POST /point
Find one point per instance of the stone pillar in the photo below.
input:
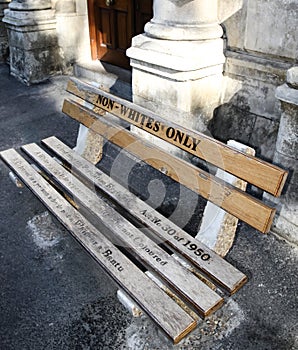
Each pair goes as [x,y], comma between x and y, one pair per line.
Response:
[178,62]
[218,228]
[3,33]
[67,32]
[34,53]
[286,155]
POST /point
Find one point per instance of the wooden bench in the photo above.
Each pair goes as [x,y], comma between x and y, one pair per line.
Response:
[123,233]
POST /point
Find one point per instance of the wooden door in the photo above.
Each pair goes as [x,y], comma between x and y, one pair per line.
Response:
[112,24]
[143,14]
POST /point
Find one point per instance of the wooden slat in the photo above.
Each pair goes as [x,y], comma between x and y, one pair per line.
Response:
[184,282]
[202,257]
[236,202]
[162,309]
[262,174]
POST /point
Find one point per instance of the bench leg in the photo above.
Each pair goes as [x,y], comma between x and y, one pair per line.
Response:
[218,227]
[129,304]
[15,180]
[89,145]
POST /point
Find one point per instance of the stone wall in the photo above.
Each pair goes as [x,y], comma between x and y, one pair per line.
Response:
[286,155]
[3,33]
[261,44]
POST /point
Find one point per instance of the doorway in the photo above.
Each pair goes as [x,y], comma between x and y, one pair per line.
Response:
[112,24]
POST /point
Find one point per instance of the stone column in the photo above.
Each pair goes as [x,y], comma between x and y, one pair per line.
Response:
[34,54]
[67,32]
[184,20]
[286,155]
[3,32]
[178,62]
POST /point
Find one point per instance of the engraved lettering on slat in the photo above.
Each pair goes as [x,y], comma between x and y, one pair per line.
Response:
[162,309]
[245,207]
[196,292]
[200,255]
[255,171]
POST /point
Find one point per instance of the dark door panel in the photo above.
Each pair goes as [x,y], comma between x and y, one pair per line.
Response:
[112,24]
[143,14]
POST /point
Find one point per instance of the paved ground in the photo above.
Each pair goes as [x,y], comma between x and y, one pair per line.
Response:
[53,296]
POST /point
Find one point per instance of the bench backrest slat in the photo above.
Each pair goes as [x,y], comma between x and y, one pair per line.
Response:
[264,175]
[234,201]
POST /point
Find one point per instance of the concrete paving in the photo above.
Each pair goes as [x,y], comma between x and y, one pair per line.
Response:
[54,296]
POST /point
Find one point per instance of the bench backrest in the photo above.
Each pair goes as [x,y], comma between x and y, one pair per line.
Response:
[257,172]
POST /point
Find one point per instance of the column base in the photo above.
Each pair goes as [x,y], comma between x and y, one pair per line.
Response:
[179,80]
[178,60]
[34,52]
[183,32]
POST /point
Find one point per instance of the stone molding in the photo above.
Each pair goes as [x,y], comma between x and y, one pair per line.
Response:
[183,32]
[181,20]
[33,20]
[30,5]
[180,60]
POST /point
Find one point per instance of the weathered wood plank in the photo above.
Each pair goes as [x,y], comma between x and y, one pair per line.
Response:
[184,282]
[200,255]
[175,322]
[264,175]
[236,202]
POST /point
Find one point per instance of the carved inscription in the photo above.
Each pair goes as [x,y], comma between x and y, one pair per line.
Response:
[172,233]
[103,211]
[185,244]
[191,245]
[269,177]
[66,213]
[175,135]
[108,254]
